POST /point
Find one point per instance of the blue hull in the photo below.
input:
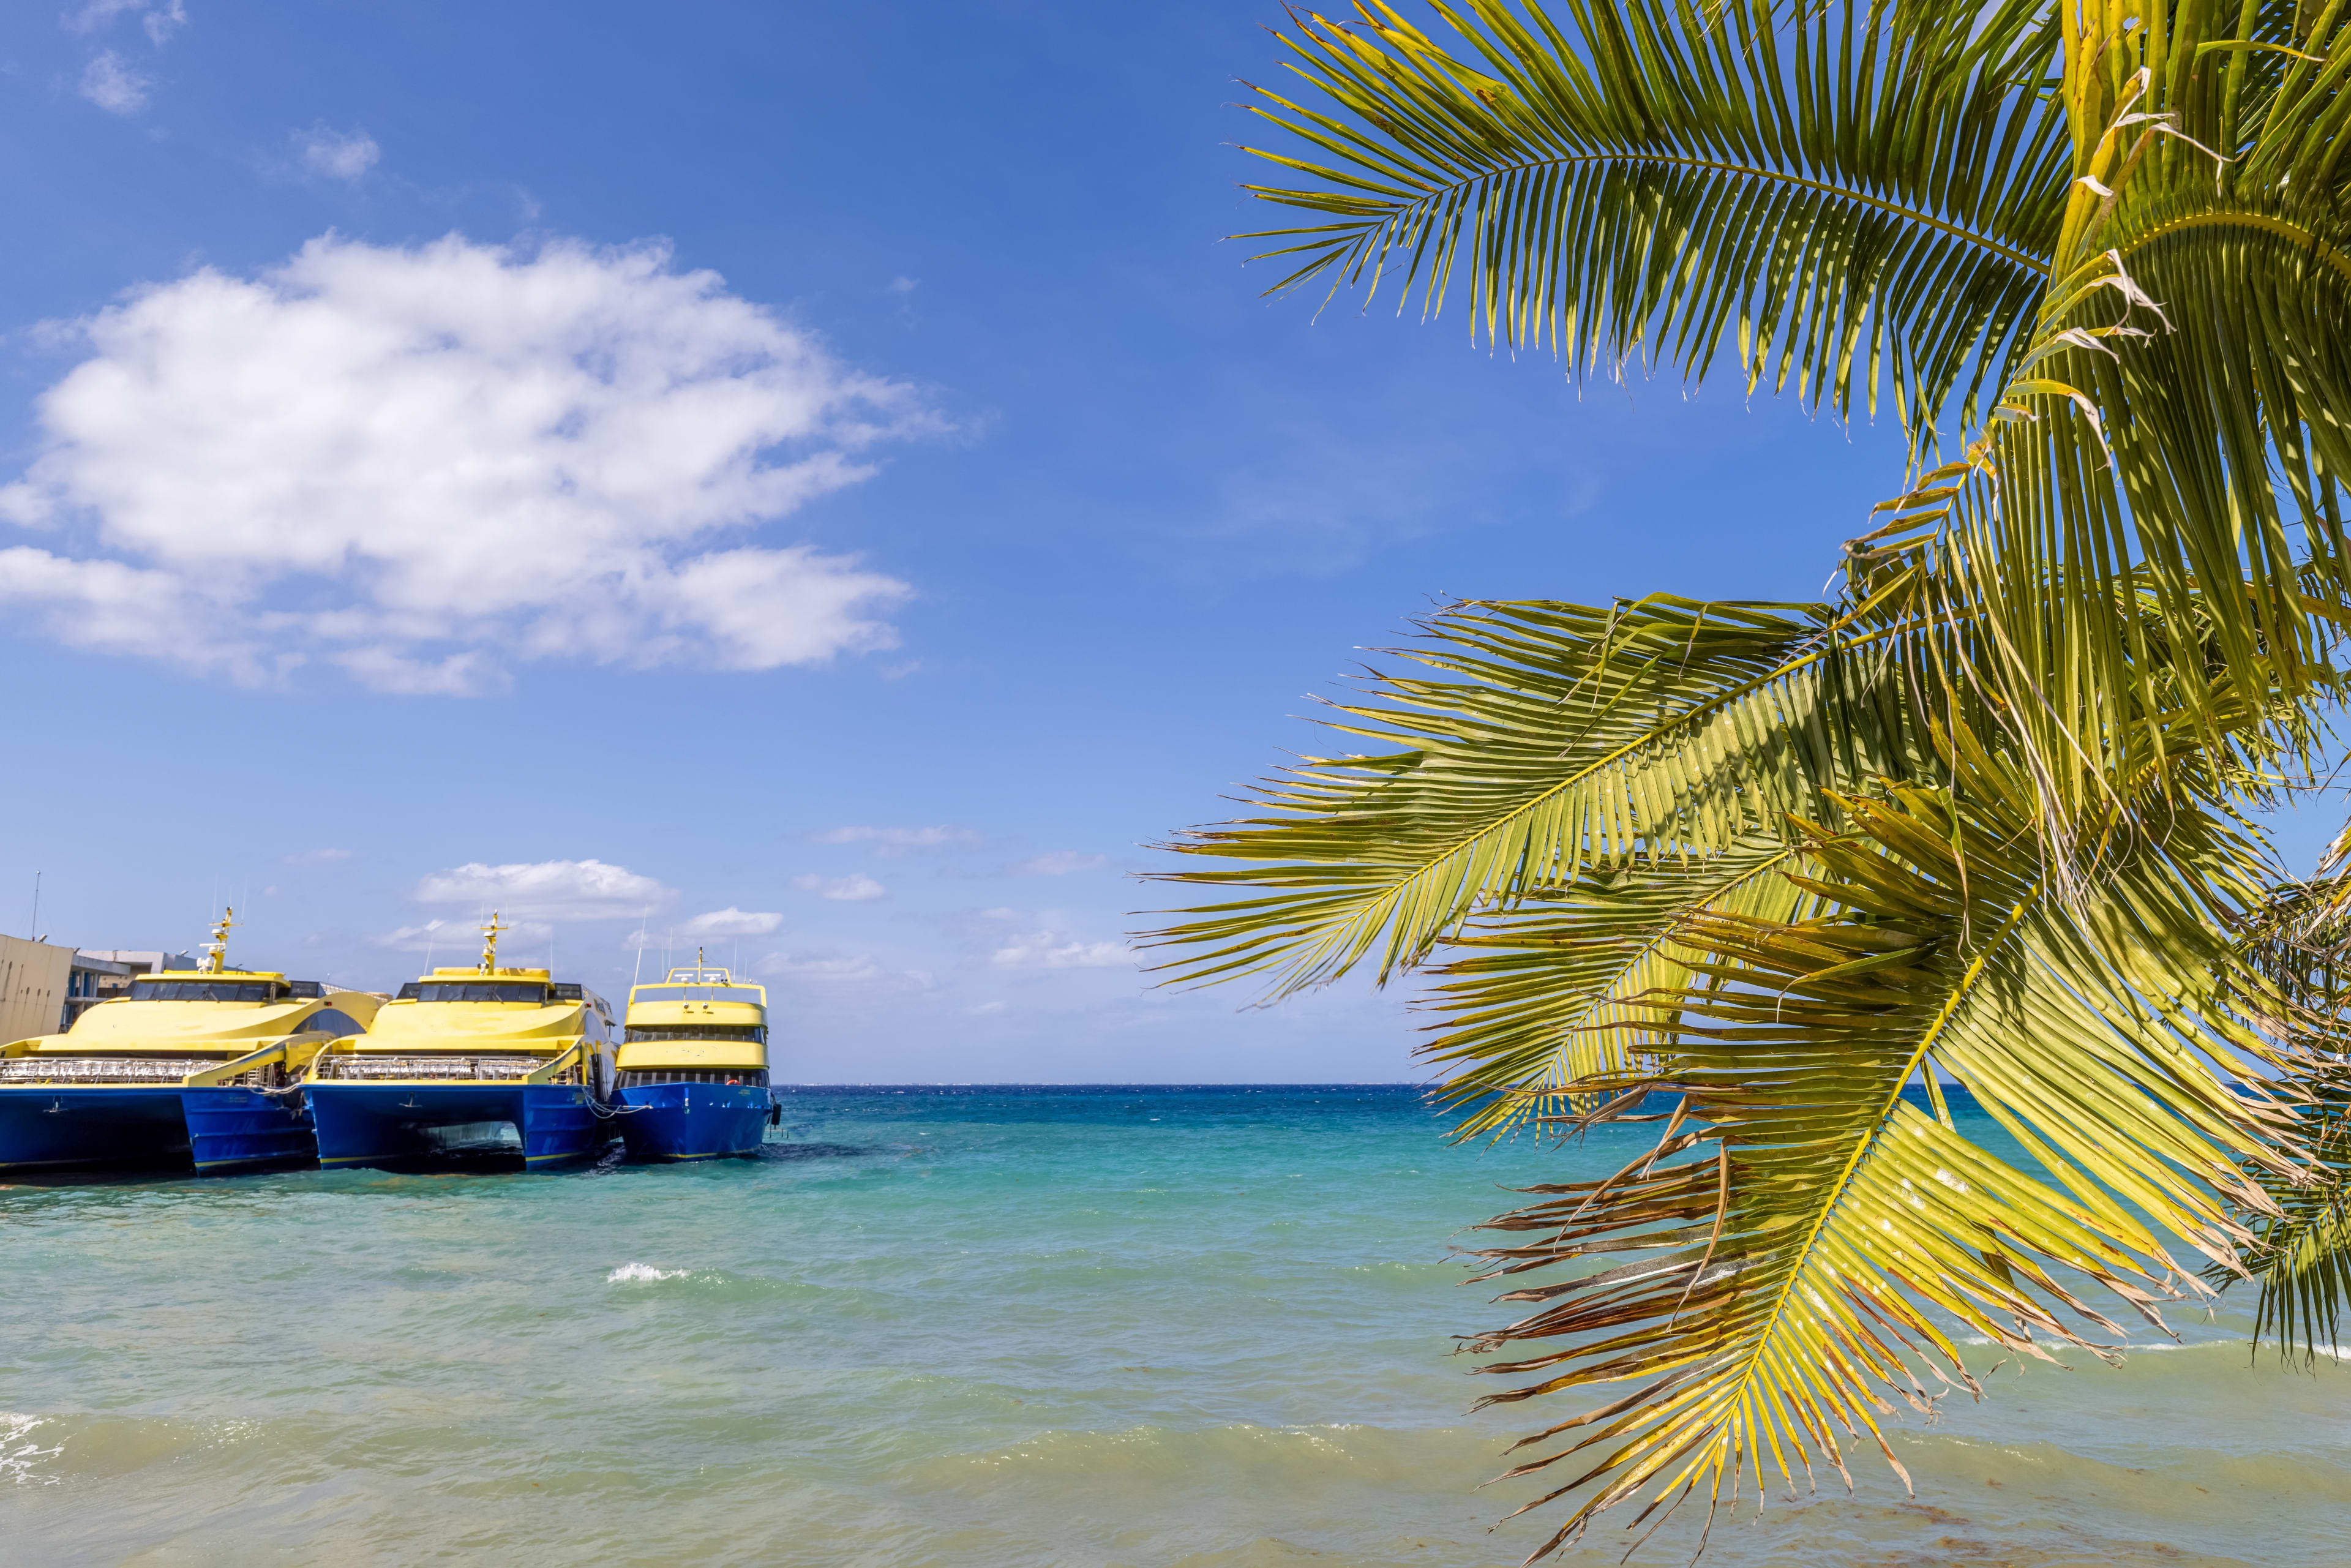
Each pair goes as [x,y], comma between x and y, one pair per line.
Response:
[92,1125]
[693,1121]
[229,1128]
[388,1123]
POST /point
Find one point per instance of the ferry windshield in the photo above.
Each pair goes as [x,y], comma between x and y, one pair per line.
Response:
[696,1031]
[480,992]
[741,995]
[201,990]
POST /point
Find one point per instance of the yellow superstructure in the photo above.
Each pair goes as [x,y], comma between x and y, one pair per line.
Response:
[490,1022]
[699,1020]
[485,1022]
[208,1025]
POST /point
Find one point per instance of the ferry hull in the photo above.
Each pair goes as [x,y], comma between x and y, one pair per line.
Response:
[388,1123]
[229,1129]
[693,1121]
[92,1125]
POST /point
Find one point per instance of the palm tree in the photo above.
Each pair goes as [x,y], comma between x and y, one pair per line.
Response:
[1771,876]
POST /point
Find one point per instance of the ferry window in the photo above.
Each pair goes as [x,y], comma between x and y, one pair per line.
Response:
[564,992]
[306,989]
[697,1032]
[201,990]
[330,1020]
[481,991]
[738,994]
[640,1078]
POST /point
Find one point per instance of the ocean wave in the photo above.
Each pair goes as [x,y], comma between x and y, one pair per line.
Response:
[642,1273]
[1354,1451]
[20,1451]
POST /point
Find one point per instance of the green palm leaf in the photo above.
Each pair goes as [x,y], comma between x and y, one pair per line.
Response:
[2180,417]
[1579,984]
[1832,1238]
[1866,194]
[1567,736]
[1981,820]
[2298,941]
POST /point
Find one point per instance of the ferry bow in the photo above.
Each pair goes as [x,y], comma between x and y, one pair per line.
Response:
[201,1066]
[694,1067]
[491,1060]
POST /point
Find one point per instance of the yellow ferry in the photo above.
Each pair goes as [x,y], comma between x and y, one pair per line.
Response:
[484,1059]
[201,1065]
[694,1067]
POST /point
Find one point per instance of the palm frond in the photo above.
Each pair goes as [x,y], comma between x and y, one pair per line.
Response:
[2179,420]
[1862,194]
[1582,985]
[2298,941]
[1982,821]
[1562,736]
[1814,1228]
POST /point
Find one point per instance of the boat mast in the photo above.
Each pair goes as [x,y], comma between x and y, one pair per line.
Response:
[490,943]
[217,950]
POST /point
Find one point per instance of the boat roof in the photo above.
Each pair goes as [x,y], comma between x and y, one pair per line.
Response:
[561,993]
[212,975]
[708,980]
[480,974]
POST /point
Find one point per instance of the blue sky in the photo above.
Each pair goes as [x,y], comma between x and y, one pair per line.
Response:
[931,513]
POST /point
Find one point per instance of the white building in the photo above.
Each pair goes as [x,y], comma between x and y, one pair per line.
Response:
[34,977]
[101,974]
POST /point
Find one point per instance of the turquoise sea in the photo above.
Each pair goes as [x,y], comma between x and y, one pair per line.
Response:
[968,1327]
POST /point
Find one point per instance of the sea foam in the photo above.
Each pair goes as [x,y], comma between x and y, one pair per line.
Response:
[18,1450]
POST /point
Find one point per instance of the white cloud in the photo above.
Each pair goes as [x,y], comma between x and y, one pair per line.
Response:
[859,969]
[113,86]
[851,970]
[731,922]
[417,464]
[455,942]
[854,888]
[415,938]
[317,857]
[550,890]
[901,841]
[160,18]
[338,155]
[1057,862]
[1056,950]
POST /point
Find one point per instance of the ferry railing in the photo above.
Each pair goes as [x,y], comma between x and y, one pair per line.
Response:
[441,1066]
[263,1067]
[348,1065]
[212,1076]
[568,1068]
[159,1071]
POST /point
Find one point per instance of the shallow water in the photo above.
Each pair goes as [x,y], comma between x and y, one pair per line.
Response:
[1151,1327]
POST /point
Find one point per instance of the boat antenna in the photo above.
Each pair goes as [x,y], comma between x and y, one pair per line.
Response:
[490,943]
[642,922]
[217,950]
[36,906]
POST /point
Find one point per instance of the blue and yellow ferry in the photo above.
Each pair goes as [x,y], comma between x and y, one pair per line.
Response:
[199,1065]
[694,1067]
[485,1060]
